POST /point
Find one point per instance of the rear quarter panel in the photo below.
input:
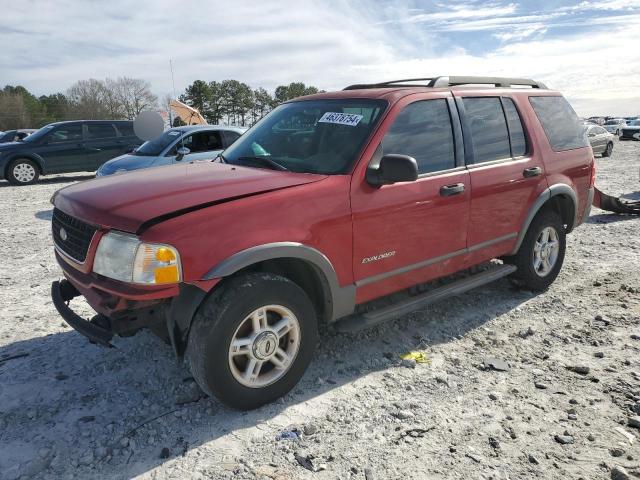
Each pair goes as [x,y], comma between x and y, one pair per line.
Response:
[570,167]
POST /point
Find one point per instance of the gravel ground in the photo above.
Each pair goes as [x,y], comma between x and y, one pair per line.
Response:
[562,404]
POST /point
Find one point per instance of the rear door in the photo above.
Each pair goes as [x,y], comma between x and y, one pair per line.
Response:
[408,233]
[102,143]
[63,149]
[505,174]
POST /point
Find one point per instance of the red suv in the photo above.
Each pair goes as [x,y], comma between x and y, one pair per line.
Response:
[328,204]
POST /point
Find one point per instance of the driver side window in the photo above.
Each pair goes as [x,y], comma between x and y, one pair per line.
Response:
[65,134]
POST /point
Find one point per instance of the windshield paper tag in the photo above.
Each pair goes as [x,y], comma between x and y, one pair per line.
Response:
[174,133]
[350,119]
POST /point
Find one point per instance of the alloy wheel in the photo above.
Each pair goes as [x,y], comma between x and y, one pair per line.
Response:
[545,251]
[264,346]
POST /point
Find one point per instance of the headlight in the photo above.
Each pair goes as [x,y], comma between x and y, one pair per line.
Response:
[124,257]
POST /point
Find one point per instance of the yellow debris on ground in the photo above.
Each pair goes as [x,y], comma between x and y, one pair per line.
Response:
[419,357]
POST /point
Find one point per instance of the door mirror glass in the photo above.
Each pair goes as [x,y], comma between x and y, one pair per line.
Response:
[181,152]
[393,168]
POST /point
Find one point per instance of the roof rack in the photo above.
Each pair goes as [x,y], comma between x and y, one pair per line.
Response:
[440,82]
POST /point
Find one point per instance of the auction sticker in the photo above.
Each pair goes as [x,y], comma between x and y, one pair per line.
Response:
[350,119]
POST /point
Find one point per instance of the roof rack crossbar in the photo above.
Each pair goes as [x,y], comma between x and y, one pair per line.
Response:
[452,81]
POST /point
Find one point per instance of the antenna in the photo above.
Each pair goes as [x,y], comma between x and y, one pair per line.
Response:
[175,97]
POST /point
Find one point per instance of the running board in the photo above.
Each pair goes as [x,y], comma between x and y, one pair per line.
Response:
[375,317]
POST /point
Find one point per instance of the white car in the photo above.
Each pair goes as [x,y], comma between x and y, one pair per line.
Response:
[615,125]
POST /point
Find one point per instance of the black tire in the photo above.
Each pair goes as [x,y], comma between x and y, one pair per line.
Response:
[608,150]
[216,322]
[526,275]
[14,177]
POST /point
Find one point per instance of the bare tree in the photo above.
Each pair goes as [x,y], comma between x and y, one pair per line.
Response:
[89,99]
[133,95]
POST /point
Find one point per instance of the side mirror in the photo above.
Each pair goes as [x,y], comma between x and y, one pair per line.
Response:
[181,152]
[392,168]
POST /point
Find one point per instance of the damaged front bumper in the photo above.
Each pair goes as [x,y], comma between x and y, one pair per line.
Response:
[124,309]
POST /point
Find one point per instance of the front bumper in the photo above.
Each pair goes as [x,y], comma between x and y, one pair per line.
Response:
[61,293]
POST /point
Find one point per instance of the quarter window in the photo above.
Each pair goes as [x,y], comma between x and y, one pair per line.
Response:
[516,132]
[488,128]
[560,123]
[423,131]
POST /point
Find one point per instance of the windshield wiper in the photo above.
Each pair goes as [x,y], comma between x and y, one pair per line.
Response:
[221,157]
[264,161]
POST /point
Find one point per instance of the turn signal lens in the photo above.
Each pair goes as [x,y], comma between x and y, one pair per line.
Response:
[155,264]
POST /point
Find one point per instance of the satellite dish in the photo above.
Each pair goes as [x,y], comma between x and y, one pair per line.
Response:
[148,125]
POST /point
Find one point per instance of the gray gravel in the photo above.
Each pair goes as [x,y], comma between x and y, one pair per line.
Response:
[69,409]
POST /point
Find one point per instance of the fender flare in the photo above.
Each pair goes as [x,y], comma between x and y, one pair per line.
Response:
[342,301]
[546,195]
[28,155]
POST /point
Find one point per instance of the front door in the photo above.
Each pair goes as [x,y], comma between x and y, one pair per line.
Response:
[102,144]
[506,177]
[408,233]
[63,149]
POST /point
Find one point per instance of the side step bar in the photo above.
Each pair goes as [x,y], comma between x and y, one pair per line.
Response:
[375,317]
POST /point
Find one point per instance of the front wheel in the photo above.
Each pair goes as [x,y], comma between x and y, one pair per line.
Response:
[541,254]
[608,150]
[23,172]
[252,340]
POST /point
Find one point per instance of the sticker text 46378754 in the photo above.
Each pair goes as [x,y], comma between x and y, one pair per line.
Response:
[350,119]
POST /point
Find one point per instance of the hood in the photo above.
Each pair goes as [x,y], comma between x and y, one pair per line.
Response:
[10,145]
[131,202]
[126,162]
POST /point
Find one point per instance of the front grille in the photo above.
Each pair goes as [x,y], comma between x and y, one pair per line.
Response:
[78,235]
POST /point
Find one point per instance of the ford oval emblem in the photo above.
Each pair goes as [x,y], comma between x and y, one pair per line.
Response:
[63,234]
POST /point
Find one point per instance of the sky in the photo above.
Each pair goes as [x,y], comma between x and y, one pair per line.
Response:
[589,50]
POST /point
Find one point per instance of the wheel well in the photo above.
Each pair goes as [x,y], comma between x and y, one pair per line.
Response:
[565,207]
[10,162]
[303,273]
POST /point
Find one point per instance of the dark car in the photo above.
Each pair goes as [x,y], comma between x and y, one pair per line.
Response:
[74,146]
[326,206]
[15,135]
[631,131]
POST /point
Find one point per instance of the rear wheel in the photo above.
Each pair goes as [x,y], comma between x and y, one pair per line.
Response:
[23,172]
[541,254]
[252,340]
[607,151]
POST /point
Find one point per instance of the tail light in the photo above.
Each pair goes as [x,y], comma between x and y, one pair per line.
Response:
[593,173]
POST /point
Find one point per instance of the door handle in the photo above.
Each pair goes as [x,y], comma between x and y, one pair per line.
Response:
[454,189]
[531,172]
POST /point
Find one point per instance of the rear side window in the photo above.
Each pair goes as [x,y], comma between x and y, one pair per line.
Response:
[516,132]
[100,130]
[231,136]
[423,131]
[488,128]
[560,123]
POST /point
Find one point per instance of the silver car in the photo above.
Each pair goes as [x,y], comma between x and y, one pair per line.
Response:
[615,125]
[600,139]
[181,144]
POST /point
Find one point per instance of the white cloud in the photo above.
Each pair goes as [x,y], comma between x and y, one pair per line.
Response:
[329,44]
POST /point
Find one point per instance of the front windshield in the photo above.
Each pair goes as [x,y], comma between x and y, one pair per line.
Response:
[312,136]
[155,147]
[612,122]
[38,134]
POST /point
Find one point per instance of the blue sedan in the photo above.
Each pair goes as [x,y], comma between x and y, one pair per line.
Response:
[180,144]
